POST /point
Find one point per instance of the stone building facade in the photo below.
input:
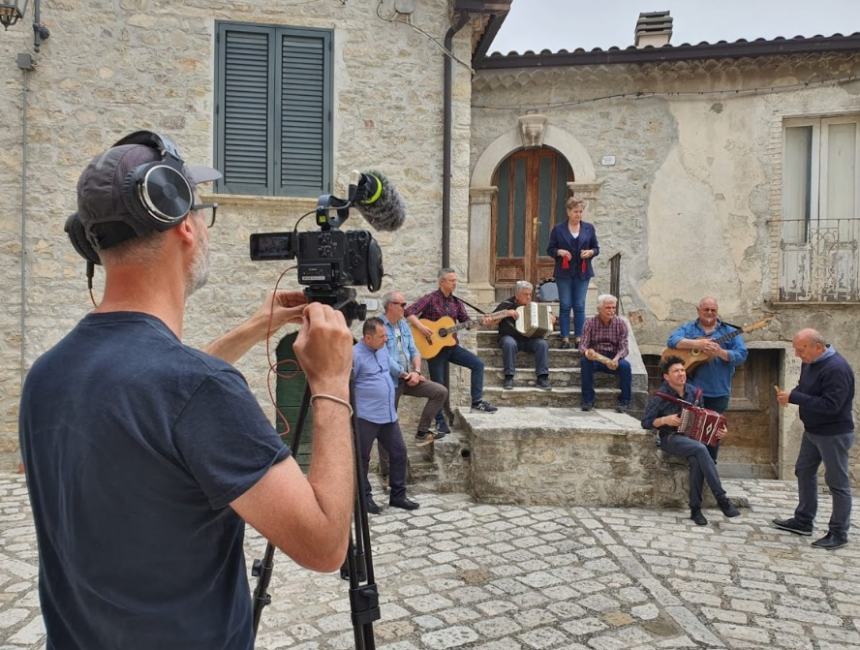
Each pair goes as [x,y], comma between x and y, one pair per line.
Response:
[681,159]
[110,68]
[680,152]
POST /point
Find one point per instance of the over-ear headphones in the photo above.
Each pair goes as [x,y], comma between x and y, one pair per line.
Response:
[153,195]
[157,191]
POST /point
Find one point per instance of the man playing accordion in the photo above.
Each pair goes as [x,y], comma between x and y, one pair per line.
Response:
[665,416]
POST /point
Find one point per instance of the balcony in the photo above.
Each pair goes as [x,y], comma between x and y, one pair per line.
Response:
[819,260]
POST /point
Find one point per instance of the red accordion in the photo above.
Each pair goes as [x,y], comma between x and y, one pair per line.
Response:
[697,422]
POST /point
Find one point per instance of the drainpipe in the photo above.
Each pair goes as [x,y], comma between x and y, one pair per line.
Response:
[24,163]
[461,20]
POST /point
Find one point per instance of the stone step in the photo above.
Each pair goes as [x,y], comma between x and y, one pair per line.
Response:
[557,358]
[489,338]
[564,396]
[559,456]
[557,377]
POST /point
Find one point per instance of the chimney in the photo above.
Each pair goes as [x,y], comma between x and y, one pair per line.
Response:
[653,28]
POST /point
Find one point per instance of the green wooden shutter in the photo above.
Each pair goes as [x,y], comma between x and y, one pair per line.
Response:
[273,115]
[303,122]
[244,119]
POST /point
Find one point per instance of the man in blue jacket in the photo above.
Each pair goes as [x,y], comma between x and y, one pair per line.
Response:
[715,376]
[825,395]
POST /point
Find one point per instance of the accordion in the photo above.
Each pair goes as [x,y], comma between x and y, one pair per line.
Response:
[697,422]
[535,320]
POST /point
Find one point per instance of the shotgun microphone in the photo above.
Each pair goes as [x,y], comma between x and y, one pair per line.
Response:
[377,200]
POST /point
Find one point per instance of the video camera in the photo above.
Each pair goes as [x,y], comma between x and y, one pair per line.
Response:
[331,260]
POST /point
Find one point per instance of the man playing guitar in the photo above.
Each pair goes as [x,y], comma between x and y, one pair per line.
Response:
[715,376]
[434,306]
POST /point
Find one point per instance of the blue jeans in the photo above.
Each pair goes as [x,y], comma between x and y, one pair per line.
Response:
[718,404]
[571,294]
[624,373]
[833,450]
[510,346]
[702,467]
[459,356]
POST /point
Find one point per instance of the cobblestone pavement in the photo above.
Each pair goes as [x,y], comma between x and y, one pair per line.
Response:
[458,574]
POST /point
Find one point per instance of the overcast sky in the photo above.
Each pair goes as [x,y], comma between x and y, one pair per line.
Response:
[569,24]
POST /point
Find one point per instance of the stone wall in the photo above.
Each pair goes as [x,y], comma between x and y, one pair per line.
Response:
[694,187]
[564,458]
[110,68]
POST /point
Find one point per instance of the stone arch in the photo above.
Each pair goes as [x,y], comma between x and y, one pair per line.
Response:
[507,143]
[481,193]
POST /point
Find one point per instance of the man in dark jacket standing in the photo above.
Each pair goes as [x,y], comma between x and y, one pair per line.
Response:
[825,394]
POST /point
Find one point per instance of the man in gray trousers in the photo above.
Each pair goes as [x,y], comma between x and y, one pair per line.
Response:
[825,395]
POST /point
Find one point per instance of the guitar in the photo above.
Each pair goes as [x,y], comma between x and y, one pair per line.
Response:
[693,358]
[443,331]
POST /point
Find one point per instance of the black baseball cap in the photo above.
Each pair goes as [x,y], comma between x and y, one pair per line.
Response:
[104,198]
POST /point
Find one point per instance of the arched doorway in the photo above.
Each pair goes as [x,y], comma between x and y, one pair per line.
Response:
[532,188]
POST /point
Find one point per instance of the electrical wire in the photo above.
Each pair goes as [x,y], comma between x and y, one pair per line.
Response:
[274,366]
[642,94]
[440,45]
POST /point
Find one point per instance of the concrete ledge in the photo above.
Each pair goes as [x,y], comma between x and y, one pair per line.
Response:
[556,456]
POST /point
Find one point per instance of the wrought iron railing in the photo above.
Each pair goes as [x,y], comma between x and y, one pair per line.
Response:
[615,277]
[819,260]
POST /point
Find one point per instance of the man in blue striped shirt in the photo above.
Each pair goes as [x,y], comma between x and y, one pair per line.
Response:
[377,415]
[715,376]
[405,361]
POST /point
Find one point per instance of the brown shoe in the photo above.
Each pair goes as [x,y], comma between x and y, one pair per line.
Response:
[424,438]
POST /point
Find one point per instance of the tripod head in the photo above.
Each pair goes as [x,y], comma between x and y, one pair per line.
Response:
[340,298]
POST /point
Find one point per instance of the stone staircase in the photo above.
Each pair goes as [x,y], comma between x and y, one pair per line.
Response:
[564,376]
[540,447]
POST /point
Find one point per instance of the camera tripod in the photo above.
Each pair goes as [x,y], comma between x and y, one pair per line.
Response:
[358,565]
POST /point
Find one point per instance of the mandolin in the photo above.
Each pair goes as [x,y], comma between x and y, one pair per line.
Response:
[693,358]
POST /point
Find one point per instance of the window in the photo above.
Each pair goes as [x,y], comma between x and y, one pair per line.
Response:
[273,110]
[821,210]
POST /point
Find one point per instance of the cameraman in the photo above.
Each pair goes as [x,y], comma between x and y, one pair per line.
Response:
[145,457]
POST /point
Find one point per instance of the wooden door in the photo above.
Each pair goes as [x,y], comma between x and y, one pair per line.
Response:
[532,190]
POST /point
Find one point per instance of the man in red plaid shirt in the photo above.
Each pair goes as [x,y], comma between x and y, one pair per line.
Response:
[605,334]
[434,306]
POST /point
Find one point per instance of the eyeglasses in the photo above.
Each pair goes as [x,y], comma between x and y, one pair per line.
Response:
[399,304]
[206,206]
[709,310]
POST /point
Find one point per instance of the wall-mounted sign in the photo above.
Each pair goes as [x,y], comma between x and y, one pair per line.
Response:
[608,161]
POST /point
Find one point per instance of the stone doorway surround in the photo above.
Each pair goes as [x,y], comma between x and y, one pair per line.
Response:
[482,191]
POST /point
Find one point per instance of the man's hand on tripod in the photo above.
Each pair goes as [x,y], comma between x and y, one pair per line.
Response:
[281,307]
[278,309]
[324,350]
[308,517]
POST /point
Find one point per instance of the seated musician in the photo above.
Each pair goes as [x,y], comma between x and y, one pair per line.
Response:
[665,416]
[604,347]
[512,341]
[405,363]
[434,306]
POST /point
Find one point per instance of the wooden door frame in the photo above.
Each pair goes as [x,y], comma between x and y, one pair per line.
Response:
[531,260]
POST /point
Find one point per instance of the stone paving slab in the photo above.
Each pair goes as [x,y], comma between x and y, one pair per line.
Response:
[460,574]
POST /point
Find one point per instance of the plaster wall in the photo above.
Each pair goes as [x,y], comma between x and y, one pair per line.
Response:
[695,186]
[113,67]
